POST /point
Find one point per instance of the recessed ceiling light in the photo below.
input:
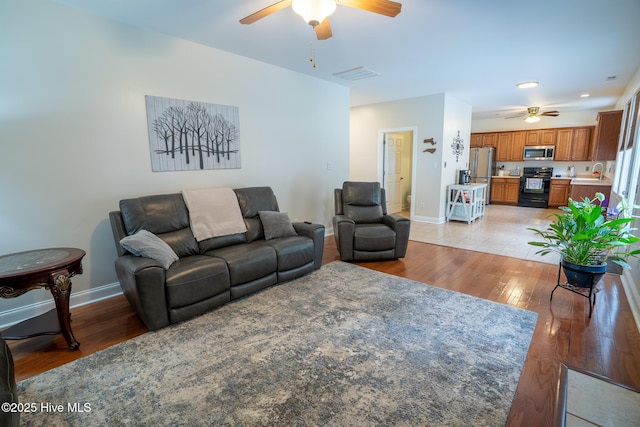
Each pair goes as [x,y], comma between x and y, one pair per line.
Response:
[585,95]
[526,85]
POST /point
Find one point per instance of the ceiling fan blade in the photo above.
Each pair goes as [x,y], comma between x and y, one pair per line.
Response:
[265,12]
[550,113]
[516,116]
[323,30]
[383,7]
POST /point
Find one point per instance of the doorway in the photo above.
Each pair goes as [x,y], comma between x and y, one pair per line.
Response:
[396,168]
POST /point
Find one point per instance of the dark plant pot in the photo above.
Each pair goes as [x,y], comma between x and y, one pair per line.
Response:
[582,275]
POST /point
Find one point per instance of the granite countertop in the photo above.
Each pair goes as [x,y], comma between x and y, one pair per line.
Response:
[506,176]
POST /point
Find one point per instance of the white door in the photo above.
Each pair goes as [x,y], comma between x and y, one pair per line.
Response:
[393,171]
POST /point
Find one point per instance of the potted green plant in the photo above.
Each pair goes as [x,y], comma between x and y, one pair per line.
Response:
[586,240]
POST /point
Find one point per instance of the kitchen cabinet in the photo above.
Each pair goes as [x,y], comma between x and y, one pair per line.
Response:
[580,191]
[606,135]
[581,147]
[573,144]
[559,192]
[489,139]
[505,191]
[563,147]
[510,146]
[476,140]
[540,137]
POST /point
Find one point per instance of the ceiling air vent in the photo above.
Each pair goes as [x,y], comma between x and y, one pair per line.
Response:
[357,73]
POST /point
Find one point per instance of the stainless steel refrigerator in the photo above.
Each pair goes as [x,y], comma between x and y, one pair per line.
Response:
[482,164]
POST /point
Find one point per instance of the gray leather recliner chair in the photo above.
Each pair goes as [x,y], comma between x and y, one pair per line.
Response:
[8,390]
[362,228]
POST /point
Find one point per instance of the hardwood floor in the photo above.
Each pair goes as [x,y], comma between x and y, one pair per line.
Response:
[608,344]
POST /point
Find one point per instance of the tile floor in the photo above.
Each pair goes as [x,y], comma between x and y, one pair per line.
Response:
[593,402]
[502,230]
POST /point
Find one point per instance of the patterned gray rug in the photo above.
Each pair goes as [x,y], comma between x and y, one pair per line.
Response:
[342,346]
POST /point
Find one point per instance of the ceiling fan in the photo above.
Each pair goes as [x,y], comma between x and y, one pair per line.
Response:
[534,114]
[316,12]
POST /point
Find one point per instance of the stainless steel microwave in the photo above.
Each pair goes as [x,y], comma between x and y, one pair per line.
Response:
[539,152]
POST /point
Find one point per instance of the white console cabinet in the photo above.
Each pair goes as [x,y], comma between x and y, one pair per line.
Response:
[465,202]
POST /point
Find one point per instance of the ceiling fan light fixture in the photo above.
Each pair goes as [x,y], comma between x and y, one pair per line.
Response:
[313,11]
[532,119]
[527,85]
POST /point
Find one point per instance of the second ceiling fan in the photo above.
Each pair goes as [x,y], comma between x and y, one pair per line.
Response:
[316,12]
[533,114]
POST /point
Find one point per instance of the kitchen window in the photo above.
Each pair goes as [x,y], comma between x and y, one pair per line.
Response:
[628,158]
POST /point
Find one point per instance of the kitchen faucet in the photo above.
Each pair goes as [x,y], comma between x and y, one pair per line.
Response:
[593,170]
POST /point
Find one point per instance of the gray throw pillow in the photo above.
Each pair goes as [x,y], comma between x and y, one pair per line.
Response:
[147,244]
[276,224]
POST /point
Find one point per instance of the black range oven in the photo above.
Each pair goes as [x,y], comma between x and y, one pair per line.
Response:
[534,187]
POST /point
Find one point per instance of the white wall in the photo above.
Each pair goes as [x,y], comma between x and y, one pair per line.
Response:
[435,116]
[74,140]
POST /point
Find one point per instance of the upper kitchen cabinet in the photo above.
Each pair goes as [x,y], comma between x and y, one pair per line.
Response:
[484,140]
[573,144]
[541,137]
[605,138]
[510,146]
[476,140]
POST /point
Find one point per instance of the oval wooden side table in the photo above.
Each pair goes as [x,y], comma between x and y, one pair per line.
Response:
[51,269]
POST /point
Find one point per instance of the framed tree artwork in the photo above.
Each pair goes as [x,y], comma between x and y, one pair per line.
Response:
[190,135]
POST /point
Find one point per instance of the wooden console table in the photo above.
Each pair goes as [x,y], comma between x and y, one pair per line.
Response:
[51,269]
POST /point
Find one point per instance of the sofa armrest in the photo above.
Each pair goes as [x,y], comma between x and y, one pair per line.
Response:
[343,230]
[118,231]
[401,225]
[316,233]
[8,389]
[394,220]
[142,281]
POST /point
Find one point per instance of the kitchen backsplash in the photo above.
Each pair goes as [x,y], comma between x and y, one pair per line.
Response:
[582,169]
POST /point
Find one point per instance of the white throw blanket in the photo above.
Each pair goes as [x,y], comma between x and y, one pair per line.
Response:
[213,212]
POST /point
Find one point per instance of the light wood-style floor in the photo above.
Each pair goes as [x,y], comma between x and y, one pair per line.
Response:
[607,344]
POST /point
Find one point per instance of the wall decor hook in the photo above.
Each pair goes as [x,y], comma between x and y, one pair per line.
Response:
[429,141]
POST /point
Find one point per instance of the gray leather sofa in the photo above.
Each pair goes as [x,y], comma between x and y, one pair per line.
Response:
[9,416]
[362,228]
[211,272]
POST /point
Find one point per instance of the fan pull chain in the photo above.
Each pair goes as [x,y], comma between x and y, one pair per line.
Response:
[312,49]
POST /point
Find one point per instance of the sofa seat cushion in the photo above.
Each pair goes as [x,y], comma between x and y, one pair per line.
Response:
[292,252]
[193,279]
[247,261]
[374,237]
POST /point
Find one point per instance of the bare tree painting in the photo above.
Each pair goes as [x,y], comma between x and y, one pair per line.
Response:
[189,135]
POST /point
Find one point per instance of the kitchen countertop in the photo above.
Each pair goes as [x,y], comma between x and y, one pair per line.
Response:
[590,181]
[585,180]
[579,180]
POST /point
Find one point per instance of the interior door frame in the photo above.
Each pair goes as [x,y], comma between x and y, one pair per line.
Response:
[381,138]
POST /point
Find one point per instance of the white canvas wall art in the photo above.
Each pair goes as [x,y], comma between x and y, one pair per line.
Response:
[190,135]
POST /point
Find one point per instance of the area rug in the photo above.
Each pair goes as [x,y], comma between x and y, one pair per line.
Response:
[342,346]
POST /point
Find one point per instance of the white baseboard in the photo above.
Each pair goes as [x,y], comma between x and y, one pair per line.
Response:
[632,295]
[429,219]
[16,315]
